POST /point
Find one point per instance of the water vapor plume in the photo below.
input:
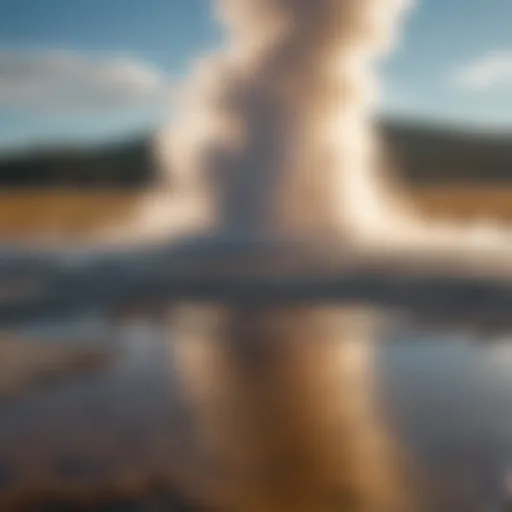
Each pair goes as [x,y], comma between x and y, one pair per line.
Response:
[275,132]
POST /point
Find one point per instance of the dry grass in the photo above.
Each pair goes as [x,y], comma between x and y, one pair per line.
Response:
[464,202]
[24,214]
[62,212]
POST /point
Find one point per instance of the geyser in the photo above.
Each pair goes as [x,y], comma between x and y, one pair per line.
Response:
[274,139]
[274,134]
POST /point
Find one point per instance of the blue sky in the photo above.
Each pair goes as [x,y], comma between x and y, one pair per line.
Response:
[454,63]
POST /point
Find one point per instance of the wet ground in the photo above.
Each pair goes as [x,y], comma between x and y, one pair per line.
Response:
[124,436]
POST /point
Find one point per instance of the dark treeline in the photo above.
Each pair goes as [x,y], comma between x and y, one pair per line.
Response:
[436,154]
[425,154]
[109,166]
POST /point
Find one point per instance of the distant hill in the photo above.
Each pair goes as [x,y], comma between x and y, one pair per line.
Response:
[426,154]
[119,165]
[430,154]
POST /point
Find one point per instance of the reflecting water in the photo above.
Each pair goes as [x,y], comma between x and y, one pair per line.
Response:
[284,409]
[451,401]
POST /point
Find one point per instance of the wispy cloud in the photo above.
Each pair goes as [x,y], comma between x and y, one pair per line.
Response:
[485,73]
[69,81]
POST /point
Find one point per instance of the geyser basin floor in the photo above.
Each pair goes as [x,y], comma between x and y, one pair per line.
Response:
[109,439]
[224,268]
[32,366]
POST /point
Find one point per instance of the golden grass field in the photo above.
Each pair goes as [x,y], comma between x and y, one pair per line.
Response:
[465,202]
[76,213]
[63,212]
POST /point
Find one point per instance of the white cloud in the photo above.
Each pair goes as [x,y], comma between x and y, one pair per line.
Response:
[485,73]
[68,81]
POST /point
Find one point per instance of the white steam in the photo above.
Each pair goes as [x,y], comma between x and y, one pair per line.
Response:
[275,132]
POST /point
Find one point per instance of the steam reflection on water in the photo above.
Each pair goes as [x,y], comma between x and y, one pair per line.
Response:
[211,398]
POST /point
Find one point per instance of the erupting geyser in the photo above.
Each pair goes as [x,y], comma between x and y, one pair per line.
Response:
[274,141]
[274,134]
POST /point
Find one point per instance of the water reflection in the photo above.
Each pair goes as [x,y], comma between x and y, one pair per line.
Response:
[284,408]
[251,408]
[451,400]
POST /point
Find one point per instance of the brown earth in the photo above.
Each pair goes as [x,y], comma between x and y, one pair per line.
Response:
[29,213]
[465,202]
